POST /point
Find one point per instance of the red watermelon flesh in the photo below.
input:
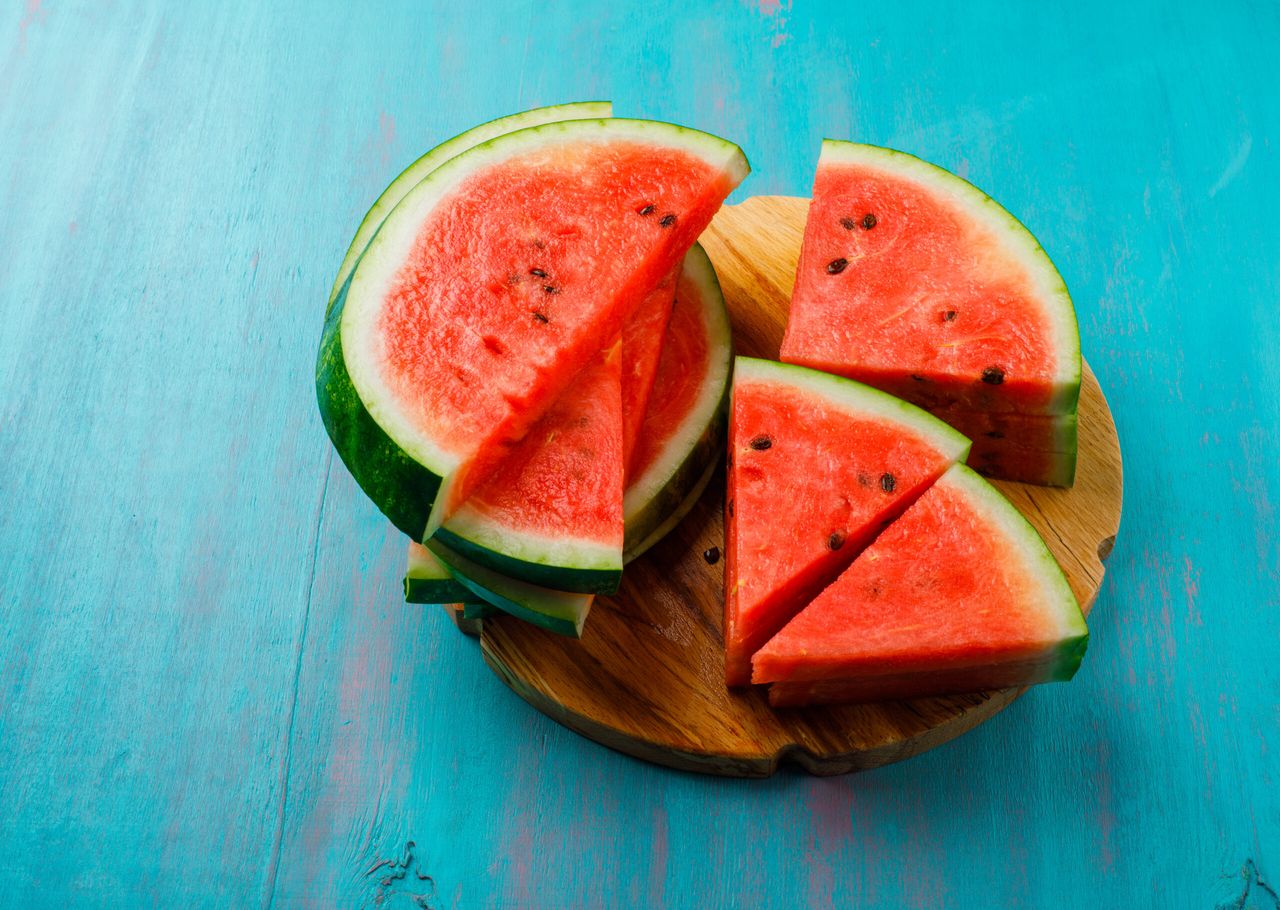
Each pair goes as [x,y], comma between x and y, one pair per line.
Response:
[915,282]
[641,347]
[960,594]
[818,466]
[551,512]
[498,278]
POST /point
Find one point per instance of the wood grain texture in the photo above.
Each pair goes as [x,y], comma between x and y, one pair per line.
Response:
[211,693]
[647,677]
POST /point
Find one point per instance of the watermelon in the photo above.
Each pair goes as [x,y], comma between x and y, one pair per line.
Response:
[428,581]
[642,339]
[684,424]
[492,283]
[413,174]
[563,612]
[1025,465]
[817,466]
[916,282]
[960,594]
[551,513]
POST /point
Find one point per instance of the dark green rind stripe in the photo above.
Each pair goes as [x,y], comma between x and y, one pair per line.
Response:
[459,565]
[1070,654]
[402,488]
[435,591]
[560,578]
[677,515]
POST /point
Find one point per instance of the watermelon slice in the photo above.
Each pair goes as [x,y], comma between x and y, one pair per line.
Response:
[959,595]
[413,174]
[428,581]
[1037,466]
[1030,448]
[817,466]
[492,283]
[563,612]
[551,514]
[914,281]
[642,339]
[683,430]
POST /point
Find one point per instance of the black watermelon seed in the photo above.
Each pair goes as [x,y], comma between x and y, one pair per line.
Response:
[550,289]
[864,479]
[712,556]
[868,221]
[761,442]
[836,540]
[836,266]
[648,209]
[537,273]
[887,482]
[993,375]
[995,434]
[730,508]
[848,224]
[918,378]
[540,317]
[949,316]
[668,219]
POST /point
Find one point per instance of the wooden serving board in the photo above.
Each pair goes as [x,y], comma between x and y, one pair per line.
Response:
[647,677]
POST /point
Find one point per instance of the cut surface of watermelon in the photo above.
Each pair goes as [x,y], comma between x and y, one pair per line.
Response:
[563,612]
[551,513]
[642,339]
[414,173]
[492,283]
[914,281]
[817,466]
[960,594]
[684,424]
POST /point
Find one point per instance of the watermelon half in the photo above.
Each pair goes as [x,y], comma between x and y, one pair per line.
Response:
[551,513]
[492,283]
[914,281]
[818,465]
[960,594]
[413,174]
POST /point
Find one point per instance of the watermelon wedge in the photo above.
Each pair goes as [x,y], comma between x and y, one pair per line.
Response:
[428,581]
[684,424]
[551,513]
[413,174]
[818,465]
[563,612]
[959,595]
[642,339]
[916,282]
[492,283]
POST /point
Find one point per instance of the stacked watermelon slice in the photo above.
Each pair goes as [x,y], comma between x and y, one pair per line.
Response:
[492,365]
[865,561]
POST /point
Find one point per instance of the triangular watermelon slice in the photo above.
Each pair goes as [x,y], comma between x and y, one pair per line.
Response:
[916,282]
[551,513]
[817,466]
[641,348]
[959,595]
[491,285]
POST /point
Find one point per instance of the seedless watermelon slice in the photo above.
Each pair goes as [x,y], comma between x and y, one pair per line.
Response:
[817,466]
[413,174]
[959,595]
[914,281]
[491,284]
[551,513]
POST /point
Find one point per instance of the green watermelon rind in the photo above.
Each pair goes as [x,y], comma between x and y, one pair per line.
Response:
[428,581]
[1005,225]
[582,566]
[680,511]
[556,611]
[855,396]
[402,470]
[664,488]
[992,504]
[414,173]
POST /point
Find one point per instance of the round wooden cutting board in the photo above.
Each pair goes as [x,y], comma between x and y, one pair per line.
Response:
[647,677]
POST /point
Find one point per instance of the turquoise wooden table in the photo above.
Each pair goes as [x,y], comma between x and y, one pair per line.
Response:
[211,693]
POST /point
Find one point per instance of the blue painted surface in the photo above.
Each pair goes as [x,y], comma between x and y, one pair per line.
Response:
[210,692]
